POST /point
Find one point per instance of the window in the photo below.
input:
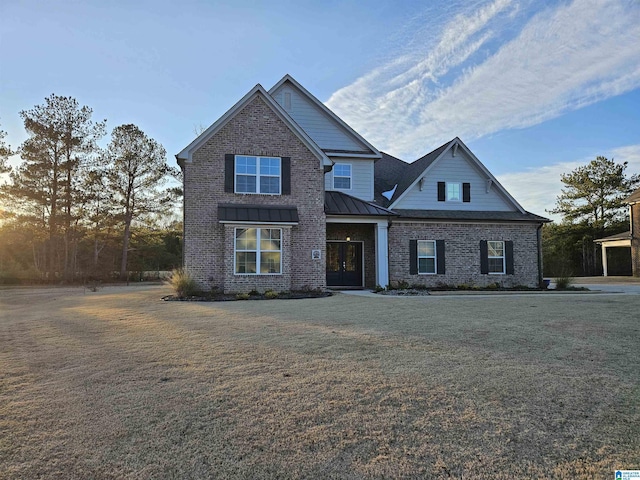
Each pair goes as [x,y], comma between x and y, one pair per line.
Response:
[426,256]
[454,193]
[496,257]
[258,251]
[257,174]
[342,176]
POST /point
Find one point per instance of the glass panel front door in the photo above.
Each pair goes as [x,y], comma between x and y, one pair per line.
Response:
[344,264]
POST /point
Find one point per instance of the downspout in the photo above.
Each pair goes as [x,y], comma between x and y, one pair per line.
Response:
[539,238]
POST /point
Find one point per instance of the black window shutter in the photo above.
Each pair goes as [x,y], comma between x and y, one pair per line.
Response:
[508,256]
[466,192]
[413,257]
[229,172]
[441,187]
[484,257]
[286,175]
[440,256]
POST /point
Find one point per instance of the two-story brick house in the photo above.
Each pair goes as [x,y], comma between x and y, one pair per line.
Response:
[281,194]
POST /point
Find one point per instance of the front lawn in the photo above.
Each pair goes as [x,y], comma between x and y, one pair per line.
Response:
[119,384]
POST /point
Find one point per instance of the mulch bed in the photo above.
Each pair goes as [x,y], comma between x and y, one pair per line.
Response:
[229,297]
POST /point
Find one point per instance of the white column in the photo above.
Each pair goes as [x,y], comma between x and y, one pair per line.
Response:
[382,254]
[604,259]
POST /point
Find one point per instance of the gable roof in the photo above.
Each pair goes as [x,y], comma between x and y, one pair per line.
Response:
[258,91]
[368,150]
[634,197]
[413,172]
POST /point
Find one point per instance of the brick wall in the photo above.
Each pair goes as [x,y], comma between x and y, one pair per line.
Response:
[208,245]
[462,252]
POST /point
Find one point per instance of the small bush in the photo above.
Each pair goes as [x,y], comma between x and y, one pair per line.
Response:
[254,293]
[563,282]
[402,285]
[378,289]
[270,294]
[183,283]
[242,296]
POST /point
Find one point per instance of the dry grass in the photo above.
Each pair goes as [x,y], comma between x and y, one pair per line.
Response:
[117,384]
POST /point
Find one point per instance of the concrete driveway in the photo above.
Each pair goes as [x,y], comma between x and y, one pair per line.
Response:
[627,285]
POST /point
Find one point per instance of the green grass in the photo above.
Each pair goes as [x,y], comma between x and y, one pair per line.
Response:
[117,384]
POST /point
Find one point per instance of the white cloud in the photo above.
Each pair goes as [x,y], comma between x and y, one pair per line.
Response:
[536,189]
[562,59]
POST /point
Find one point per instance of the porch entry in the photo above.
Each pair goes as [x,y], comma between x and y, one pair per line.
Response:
[344,264]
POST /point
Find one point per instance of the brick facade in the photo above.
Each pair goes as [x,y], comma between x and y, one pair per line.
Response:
[208,245]
[462,252]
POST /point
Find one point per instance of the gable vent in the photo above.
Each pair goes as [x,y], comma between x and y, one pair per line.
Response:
[287,101]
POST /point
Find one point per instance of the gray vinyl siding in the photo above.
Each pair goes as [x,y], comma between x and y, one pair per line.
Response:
[361,178]
[323,130]
[455,169]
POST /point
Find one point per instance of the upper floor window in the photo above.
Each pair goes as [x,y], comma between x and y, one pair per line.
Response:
[454,193]
[496,256]
[342,176]
[257,175]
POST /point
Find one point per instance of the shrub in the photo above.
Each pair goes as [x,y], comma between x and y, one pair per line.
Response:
[183,283]
[378,289]
[563,282]
[270,294]
[242,296]
[402,285]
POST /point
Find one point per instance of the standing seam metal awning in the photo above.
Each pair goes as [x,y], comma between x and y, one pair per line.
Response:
[338,203]
[258,213]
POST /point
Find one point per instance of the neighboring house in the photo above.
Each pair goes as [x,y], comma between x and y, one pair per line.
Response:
[630,239]
[281,194]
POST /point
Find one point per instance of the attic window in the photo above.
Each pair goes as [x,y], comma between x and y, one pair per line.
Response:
[454,192]
[287,100]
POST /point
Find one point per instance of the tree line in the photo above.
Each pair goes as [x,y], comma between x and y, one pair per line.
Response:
[592,206]
[72,210]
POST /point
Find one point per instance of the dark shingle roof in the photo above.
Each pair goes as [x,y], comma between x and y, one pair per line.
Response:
[257,213]
[617,236]
[482,215]
[634,197]
[387,173]
[338,203]
[393,171]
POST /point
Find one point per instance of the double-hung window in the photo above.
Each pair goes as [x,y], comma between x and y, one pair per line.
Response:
[258,174]
[496,256]
[426,256]
[258,251]
[342,176]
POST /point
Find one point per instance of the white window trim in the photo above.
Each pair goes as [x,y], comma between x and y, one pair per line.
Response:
[446,192]
[350,177]
[257,251]
[257,175]
[503,257]
[434,256]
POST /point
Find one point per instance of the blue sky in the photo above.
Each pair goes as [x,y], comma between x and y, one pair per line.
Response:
[534,88]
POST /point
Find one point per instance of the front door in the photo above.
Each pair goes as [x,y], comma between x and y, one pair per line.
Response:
[344,264]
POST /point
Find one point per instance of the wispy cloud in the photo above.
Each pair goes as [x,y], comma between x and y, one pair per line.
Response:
[537,188]
[563,58]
